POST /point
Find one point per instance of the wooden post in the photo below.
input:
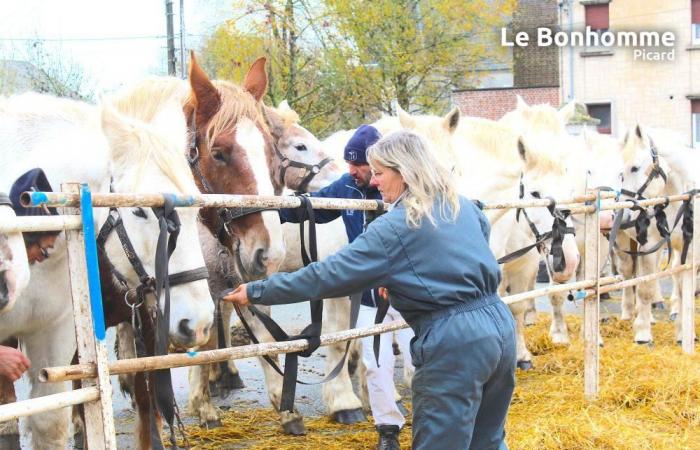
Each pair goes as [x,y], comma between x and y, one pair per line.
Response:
[687,312]
[99,420]
[591,305]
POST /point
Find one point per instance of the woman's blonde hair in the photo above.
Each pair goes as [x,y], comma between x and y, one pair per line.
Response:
[425,178]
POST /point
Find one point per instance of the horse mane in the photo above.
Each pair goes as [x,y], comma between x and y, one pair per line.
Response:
[236,103]
[148,101]
[33,105]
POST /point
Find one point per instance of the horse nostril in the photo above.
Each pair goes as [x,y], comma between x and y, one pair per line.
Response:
[184,328]
[260,259]
[4,290]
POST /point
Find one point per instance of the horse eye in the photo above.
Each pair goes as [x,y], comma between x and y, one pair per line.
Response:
[535,194]
[634,169]
[218,155]
[300,147]
[139,212]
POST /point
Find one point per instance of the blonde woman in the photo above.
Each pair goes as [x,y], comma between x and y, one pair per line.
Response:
[431,252]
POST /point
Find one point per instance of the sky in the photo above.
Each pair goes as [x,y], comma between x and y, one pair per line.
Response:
[116,42]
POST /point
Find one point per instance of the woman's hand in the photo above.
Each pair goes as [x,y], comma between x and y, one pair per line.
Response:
[239,296]
[13,363]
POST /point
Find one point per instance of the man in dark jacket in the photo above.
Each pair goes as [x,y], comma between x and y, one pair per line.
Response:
[355,184]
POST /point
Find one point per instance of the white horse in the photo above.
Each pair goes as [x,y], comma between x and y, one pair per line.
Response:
[14,266]
[72,141]
[660,160]
[493,163]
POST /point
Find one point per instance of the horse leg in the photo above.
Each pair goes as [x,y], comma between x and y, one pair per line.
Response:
[625,266]
[521,281]
[50,348]
[646,292]
[677,280]
[530,313]
[9,430]
[230,378]
[558,330]
[340,399]
[199,399]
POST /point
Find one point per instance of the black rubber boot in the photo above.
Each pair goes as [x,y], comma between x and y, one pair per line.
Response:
[388,437]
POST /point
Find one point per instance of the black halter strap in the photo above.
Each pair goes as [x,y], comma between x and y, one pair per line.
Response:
[559,230]
[311,169]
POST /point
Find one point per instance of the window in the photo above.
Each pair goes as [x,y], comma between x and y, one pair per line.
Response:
[601,111]
[598,17]
[695,21]
[695,120]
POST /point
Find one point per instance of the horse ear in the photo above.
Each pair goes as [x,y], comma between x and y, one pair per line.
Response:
[451,120]
[520,104]
[255,81]
[206,96]
[120,133]
[405,119]
[274,120]
[567,112]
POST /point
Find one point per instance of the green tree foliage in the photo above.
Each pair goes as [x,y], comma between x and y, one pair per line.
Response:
[340,63]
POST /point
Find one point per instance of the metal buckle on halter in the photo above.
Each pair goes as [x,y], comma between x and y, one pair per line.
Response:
[193,155]
[286,162]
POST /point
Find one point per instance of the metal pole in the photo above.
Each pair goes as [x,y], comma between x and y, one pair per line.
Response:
[183,73]
[171,37]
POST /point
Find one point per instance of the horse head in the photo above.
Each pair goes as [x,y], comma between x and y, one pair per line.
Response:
[229,141]
[644,170]
[146,157]
[14,267]
[299,161]
[600,156]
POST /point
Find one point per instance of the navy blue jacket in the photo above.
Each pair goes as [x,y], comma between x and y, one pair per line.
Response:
[343,187]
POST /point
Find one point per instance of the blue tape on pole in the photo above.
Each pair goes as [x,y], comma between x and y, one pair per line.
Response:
[37,198]
[180,200]
[93,269]
[580,295]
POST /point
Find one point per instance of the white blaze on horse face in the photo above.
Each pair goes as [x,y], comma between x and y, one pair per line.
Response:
[144,161]
[252,141]
[14,267]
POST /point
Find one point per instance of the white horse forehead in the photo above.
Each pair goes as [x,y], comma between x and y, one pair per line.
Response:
[252,141]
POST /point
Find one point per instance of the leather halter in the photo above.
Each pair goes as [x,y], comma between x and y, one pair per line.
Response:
[311,169]
[656,171]
[559,230]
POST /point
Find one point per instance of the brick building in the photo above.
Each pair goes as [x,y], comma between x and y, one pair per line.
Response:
[535,70]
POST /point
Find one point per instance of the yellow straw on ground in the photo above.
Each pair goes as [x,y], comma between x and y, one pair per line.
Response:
[649,399]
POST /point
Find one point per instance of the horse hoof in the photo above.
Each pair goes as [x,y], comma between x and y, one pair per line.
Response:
[524,365]
[295,427]
[211,424]
[228,382]
[349,416]
[402,408]
[658,305]
[11,442]
[672,317]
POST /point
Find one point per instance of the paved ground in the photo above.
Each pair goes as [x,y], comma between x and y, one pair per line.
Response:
[254,395]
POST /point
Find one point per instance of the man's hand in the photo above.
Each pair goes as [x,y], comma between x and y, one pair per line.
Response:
[239,296]
[13,363]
